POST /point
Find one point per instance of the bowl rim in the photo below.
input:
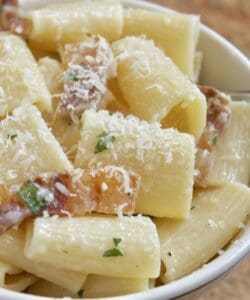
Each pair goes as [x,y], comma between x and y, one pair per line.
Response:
[210,272]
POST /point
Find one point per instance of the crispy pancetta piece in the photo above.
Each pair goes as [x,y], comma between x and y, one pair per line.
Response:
[218,115]
[89,65]
[106,190]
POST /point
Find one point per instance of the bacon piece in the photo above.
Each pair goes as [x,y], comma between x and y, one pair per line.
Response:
[105,190]
[94,52]
[12,211]
[89,65]
[14,20]
[218,115]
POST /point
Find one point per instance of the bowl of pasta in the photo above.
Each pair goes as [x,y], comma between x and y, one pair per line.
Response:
[124,161]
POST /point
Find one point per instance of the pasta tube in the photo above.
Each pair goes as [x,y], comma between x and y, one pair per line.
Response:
[20,79]
[216,217]
[70,22]
[152,85]
[95,286]
[164,158]
[232,151]
[177,34]
[15,279]
[11,251]
[124,247]
[32,4]
[27,147]
[47,289]
[52,72]
[101,286]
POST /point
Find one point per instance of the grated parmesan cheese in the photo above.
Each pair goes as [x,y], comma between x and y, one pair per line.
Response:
[62,188]
[34,150]
[44,193]
[104,187]
[212,224]
[122,175]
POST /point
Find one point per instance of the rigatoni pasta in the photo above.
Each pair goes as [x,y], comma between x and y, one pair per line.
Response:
[12,252]
[118,173]
[52,72]
[20,79]
[95,286]
[15,279]
[97,245]
[216,216]
[232,150]
[28,147]
[176,34]
[70,22]
[47,289]
[100,286]
[152,85]
[164,158]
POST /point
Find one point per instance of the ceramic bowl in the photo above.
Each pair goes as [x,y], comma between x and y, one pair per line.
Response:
[226,68]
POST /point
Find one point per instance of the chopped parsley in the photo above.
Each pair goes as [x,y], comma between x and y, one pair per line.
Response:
[11,136]
[117,241]
[105,141]
[214,141]
[193,207]
[80,293]
[71,75]
[112,252]
[29,194]
[65,251]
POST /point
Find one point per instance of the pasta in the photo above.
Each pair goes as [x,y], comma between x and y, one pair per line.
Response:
[232,159]
[99,286]
[118,104]
[142,75]
[64,130]
[176,34]
[95,286]
[215,218]
[148,150]
[97,236]
[27,147]
[70,22]
[47,289]
[14,279]
[118,172]
[52,71]
[11,251]
[31,4]
[20,79]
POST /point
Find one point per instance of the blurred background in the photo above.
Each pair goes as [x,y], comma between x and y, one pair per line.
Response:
[231,18]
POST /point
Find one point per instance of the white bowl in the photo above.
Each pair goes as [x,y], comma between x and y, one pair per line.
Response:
[226,68]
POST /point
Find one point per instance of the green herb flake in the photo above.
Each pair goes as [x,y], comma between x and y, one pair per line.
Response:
[105,141]
[11,136]
[214,141]
[71,75]
[193,207]
[65,251]
[117,241]
[80,293]
[112,252]
[29,194]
